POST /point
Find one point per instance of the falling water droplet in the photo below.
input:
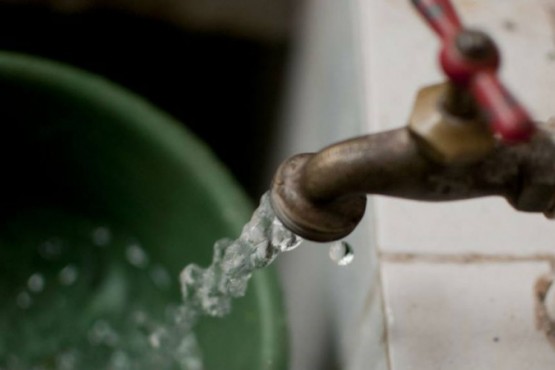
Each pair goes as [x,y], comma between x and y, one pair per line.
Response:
[101,236]
[102,332]
[136,256]
[24,300]
[154,340]
[282,238]
[68,275]
[36,283]
[157,337]
[341,253]
[120,361]
[160,276]
[67,360]
[189,354]
[51,249]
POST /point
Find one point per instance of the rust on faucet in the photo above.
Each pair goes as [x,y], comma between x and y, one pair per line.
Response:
[322,196]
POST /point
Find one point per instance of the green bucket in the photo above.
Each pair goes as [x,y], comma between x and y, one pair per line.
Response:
[91,172]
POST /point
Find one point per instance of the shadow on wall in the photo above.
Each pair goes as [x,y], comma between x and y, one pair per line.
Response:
[222,85]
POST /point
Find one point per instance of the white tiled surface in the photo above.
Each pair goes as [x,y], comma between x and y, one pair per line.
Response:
[369,338]
[449,315]
[357,305]
[445,316]
[475,226]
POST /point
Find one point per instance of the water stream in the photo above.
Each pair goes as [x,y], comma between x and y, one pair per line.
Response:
[210,291]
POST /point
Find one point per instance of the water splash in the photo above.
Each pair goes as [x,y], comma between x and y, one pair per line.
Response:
[160,277]
[102,236]
[36,283]
[136,255]
[210,290]
[24,300]
[51,249]
[341,253]
[68,275]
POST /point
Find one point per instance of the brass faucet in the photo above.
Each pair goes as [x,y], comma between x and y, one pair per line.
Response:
[466,138]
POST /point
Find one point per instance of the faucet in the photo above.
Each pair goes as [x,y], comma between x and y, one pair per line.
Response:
[466,138]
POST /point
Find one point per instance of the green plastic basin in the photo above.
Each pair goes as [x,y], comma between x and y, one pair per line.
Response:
[77,153]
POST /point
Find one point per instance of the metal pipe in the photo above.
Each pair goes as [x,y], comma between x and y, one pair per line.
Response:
[321,196]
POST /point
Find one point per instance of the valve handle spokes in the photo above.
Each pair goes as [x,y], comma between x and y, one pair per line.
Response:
[470,59]
[506,116]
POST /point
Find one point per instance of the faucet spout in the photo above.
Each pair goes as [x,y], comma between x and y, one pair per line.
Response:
[322,196]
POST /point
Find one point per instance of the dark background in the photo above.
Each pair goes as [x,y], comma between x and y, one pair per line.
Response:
[227,89]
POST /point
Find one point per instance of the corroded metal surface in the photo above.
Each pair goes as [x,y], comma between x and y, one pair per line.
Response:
[321,196]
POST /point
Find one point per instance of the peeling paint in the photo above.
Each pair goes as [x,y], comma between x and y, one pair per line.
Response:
[544,321]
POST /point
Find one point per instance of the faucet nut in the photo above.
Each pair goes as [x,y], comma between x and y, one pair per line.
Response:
[445,137]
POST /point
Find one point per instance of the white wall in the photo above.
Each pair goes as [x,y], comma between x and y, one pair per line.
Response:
[457,279]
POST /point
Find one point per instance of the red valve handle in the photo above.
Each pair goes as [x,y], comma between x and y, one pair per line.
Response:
[470,59]
[507,117]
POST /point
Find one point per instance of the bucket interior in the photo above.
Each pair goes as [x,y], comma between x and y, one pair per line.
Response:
[125,196]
